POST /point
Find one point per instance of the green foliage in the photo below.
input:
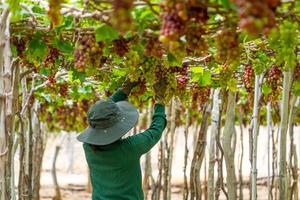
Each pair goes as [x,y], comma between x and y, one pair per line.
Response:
[284,41]
[138,54]
[106,33]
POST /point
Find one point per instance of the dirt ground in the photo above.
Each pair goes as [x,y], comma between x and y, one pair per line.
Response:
[72,191]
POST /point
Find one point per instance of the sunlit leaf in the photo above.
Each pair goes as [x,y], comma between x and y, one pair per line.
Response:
[106,33]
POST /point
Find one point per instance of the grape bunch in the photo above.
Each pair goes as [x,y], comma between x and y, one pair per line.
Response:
[63,89]
[197,12]
[174,17]
[132,63]
[248,78]
[274,81]
[121,15]
[88,52]
[120,46]
[153,47]
[49,60]
[257,16]
[196,43]
[140,89]
[20,45]
[182,82]
[297,72]
[227,42]
[200,95]
[182,77]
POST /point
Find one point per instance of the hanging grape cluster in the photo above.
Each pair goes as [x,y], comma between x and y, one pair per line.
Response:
[174,17]
[248,78]
[257,16]
[196,43]
[297,72]
[227,42]
[88,52]
[182,77]
[20,45]
[120,46]
[154,47]
[121,15]
[274,81]
[140,89]
[200,96]
[63,89]
[197,12]
[50,59]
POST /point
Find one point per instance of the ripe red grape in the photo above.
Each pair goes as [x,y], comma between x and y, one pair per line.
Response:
[248,78]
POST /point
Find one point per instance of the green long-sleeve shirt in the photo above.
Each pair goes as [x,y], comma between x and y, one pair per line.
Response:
[115,168]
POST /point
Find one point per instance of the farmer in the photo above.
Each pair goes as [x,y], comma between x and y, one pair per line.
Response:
[114,162]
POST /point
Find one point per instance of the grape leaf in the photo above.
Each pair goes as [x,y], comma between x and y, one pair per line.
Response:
[106,33]
[197,70]
[206,78]
[64,46]
[266,89]
[38,48]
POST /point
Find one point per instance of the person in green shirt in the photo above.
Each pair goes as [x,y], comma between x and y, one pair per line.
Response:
[113,161]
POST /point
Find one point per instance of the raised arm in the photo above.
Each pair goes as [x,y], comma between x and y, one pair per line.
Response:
[119,95]
[143,142]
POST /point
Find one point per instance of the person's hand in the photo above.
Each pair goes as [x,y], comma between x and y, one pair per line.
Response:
[128,85]
[160,88]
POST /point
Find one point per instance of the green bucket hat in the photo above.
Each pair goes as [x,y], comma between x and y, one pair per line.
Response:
[108,122]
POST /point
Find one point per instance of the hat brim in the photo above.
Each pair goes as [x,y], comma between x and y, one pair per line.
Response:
[96,136]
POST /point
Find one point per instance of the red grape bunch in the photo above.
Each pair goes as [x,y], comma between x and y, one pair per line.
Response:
[274,81]
[200,95]
[297,72]
[120,47]
[248,78]
[257,16]
[174,17]
[140,89]
[88,52]
[121,15]
[154,48]
[20,45]
[227,42]
[49,60]
[197,12]
[182,77]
